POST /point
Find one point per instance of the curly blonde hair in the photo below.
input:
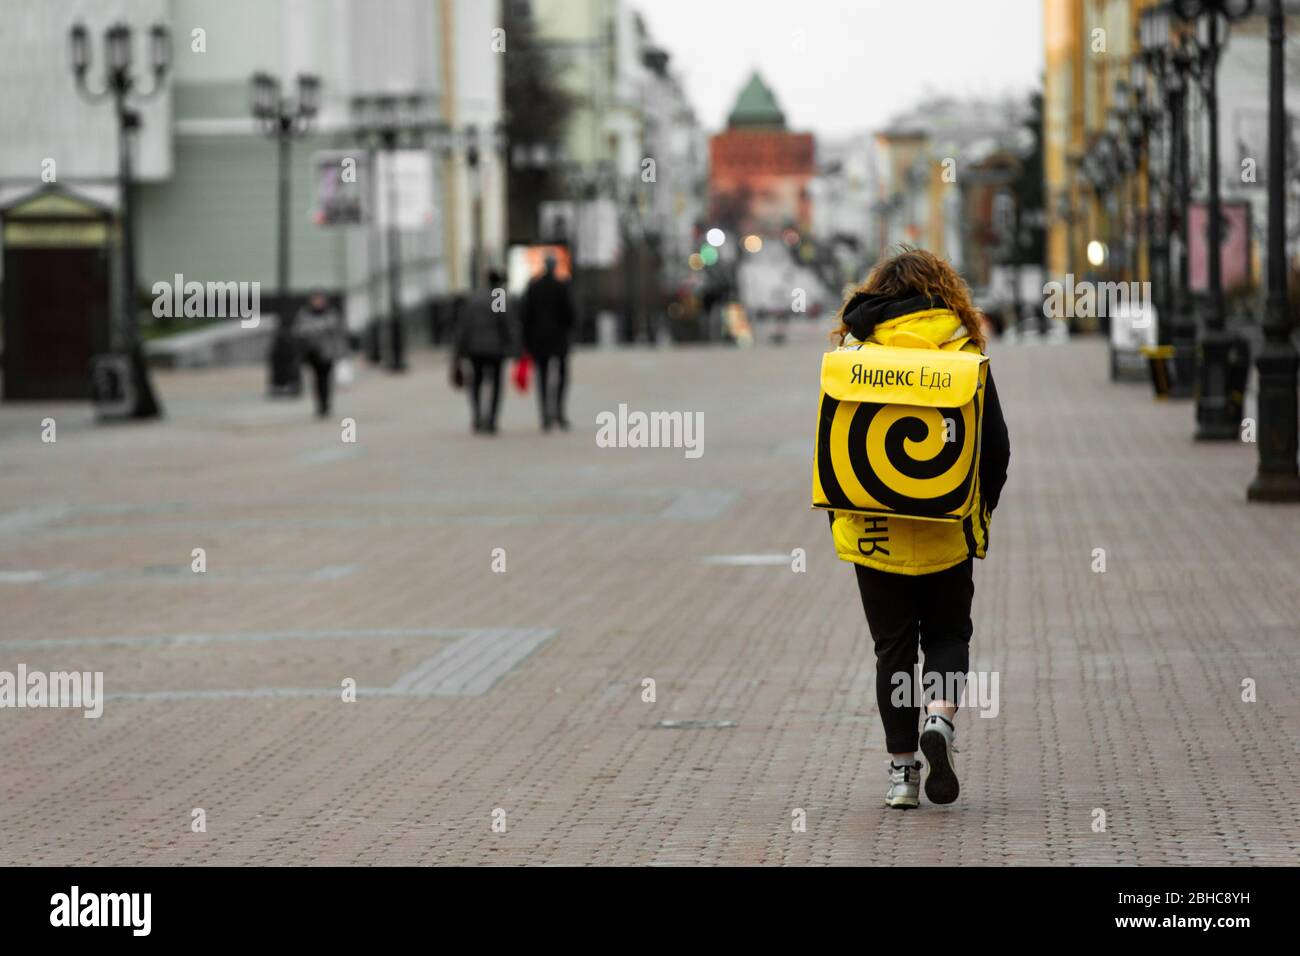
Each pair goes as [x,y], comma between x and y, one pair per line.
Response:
[913,272]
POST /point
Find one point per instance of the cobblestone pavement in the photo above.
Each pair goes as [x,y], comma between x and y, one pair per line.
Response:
[523,691]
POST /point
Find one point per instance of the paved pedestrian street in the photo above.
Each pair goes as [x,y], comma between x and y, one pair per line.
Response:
[500,605]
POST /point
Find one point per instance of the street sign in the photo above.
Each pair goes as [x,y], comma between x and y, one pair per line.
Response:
[404,184]
[340,177]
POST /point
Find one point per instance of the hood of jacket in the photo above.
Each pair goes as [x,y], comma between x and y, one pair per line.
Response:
[908,322]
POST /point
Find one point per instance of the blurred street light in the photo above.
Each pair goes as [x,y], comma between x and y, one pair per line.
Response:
[1143,122]
[120,84]
[1277,478]
[1101,168]
[1169,61]
[1216,415]
[279,117]
[384,122]
[1129,125]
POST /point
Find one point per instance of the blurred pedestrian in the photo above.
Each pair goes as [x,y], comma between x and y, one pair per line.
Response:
[483,339]
[915,576]
[548,317]
[318,330]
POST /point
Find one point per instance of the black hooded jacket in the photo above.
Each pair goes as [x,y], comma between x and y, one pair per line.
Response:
[866,310]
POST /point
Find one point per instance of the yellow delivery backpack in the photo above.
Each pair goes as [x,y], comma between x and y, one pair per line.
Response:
[899,432]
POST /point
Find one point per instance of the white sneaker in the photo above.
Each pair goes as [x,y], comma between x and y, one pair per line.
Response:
[904,786]
[936,743]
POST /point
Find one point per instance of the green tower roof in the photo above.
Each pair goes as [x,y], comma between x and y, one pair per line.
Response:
[756,106]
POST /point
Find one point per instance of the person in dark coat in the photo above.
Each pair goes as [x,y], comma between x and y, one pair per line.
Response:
[548,317]
[916,576]
[484,339]
[319,333]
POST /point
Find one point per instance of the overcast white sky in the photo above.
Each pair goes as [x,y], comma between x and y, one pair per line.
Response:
[862,60]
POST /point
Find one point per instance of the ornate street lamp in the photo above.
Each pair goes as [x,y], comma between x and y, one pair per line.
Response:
[584,182]
[1217,417]
[379,126]
[1170,58]
[120,85]
[284,118]
[1129,160]
[1100,168]
[1277,479]
[1143,122]
[384,122]
[470,142]
[1153,64]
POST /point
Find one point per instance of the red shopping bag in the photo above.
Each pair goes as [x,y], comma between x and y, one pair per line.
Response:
[523,371]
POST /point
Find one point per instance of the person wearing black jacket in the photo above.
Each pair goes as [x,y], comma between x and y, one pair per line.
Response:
[318,331]
[915,577]
[484,338]
[548,316]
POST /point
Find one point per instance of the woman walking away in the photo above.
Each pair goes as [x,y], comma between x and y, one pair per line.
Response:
[319,331]
[913,556]
[484,338]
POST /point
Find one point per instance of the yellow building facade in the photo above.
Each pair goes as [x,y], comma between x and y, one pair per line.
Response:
[1089,45]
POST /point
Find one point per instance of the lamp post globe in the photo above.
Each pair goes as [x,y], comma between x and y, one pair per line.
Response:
[160,50]
[117,48]
[79,48]
[1218,403]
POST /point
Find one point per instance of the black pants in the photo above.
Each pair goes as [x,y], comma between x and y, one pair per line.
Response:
[484,370]
[324,372]
[552,380]
[902,609]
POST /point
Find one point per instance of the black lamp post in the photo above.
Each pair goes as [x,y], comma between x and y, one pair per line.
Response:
[386,121]
[1142,122]
[1156,65]
[120,85]
[1217,416]
[1128,160]
[1005,216]
[1100,168]
[1170,59]
[282,118]
[585,183]
[479,145]
[1276,479]
[475,177]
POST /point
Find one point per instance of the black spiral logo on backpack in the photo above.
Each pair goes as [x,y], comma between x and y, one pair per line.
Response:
[909,424]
